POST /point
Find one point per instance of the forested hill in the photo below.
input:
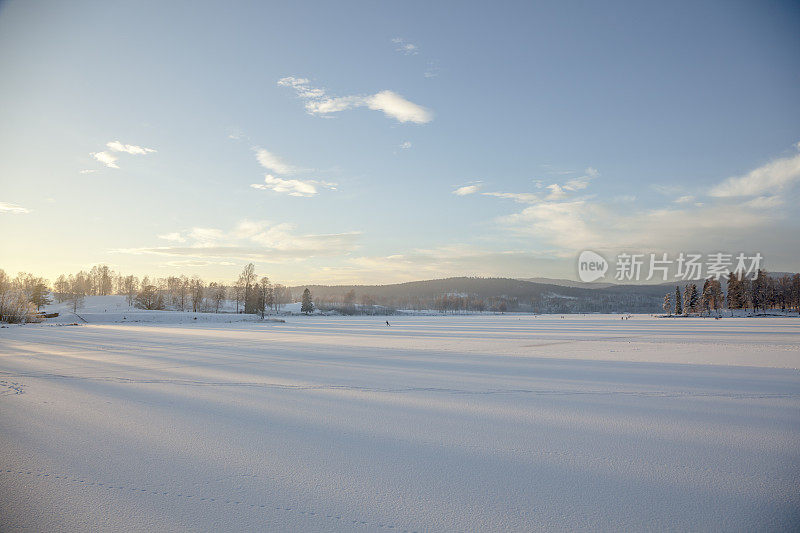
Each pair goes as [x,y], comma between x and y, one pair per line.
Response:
[499,294]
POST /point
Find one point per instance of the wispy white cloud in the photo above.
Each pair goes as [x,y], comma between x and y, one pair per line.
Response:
[772,177]
[592,172]
[253,241]
[405,47]
[173,237]
[559,191]
[764,202]
[292,187]
[432,71]
[666,189]
[405,145]
[468,189]
[302,87]
[567,225]
[327,106]
[108,157]
[520,197]
[205,236]
[390,103]
[117,146]
[573,225]
[565,220]
[395,106]
[410,49]
[581,182]
[272,162]
[13,209]
[562,224]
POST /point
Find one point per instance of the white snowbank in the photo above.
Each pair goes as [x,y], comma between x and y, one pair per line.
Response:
[115,309]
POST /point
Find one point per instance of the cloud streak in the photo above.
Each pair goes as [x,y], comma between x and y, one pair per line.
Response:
[565,220]
[558,191]
[251,241]
[405,47]
[291,186]
[567,223]
[117,146]
[13,209]
[391,104]
[772,177]
[273,163]
[521,197]
[109,157]
[467,189]
[172,237]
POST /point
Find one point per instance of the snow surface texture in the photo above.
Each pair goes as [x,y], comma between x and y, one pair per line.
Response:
[473,423]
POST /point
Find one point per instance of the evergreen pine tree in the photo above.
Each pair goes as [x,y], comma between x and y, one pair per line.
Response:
[759,291]
[307,306]
[678,307]
[736,291]
[687,299]
[706,297]
[667,304]
[717,297]
[695,298]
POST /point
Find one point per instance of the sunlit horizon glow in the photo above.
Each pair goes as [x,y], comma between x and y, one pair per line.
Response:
[397,144]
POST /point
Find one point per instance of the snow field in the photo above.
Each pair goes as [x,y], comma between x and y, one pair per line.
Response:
[431,424]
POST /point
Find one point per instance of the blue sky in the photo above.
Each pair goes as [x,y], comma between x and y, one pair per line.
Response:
[377,142]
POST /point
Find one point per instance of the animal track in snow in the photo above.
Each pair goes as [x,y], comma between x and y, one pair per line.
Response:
[116,486]
[11,387]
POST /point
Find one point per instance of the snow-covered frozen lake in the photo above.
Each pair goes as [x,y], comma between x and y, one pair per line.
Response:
[431,424]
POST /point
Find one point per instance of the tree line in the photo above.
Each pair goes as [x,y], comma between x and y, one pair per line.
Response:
[763,293]
[21,297]
[367,304]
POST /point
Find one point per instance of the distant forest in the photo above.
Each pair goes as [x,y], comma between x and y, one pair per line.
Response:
[464,294]
[22,296]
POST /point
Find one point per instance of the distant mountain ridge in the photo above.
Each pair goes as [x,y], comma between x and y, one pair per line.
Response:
[537,295]
[499,294]
[606,284]
[569,283]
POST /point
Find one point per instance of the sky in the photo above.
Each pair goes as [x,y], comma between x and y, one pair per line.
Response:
[376,142]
